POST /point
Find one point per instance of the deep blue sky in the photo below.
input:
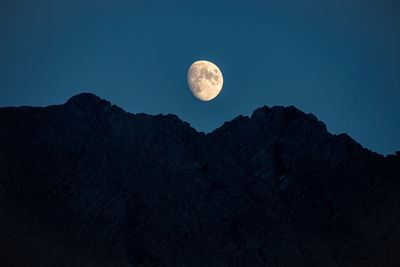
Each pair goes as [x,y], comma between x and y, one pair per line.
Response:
[337,59]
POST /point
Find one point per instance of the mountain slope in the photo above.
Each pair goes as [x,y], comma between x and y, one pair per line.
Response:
[88,184]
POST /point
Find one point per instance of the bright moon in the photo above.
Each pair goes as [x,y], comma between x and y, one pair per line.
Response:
[205,80]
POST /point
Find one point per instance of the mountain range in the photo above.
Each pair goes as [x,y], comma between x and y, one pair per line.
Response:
[87,184]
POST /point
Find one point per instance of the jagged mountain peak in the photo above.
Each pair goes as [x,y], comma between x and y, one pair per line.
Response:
[272,119]
[285,115]
[87,100]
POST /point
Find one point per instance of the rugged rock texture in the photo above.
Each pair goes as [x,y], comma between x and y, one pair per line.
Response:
[87,184]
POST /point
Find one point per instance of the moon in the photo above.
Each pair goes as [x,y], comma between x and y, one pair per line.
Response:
[205,80]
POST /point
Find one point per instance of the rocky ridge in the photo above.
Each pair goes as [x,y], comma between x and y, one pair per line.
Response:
[87,184]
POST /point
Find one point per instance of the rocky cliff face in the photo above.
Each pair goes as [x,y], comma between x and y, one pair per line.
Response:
[87,184]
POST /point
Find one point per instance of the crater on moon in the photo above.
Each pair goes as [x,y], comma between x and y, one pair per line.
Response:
[205,80]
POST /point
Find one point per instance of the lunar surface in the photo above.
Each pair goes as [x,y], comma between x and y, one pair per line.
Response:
[205,80]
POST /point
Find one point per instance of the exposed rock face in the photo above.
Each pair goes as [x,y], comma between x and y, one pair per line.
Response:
[87,184]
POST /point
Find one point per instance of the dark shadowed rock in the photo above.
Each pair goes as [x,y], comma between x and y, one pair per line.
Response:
[87,184]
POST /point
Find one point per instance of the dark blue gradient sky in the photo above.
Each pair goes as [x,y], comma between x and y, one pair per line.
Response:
[337,59]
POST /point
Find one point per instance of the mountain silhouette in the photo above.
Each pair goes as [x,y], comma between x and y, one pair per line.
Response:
[88,184]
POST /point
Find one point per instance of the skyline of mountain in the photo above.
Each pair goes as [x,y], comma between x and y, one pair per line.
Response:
[86,183]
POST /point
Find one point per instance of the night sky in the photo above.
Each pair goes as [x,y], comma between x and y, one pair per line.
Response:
[339,60]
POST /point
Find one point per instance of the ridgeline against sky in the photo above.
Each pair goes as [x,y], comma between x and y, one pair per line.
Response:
[88,184]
